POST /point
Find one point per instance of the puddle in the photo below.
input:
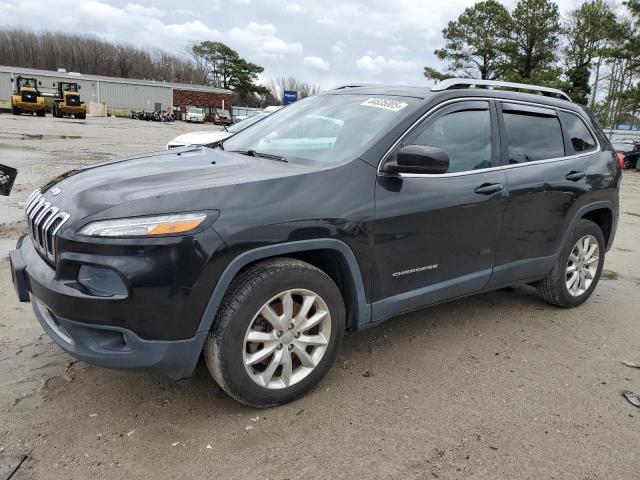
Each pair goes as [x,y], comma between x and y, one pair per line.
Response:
[609,275]
[33,136]
[30,136]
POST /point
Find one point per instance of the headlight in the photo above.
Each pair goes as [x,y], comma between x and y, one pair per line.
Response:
[144,226]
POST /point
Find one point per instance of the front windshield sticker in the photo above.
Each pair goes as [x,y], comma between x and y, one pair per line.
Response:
[384,103]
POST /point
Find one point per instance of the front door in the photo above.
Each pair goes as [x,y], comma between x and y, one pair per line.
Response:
[436,235]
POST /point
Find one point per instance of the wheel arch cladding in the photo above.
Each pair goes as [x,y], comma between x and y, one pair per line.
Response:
[332,256]
[602,213]
[603,217]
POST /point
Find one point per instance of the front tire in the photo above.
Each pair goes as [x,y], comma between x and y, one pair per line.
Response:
[578,268]
[276,333]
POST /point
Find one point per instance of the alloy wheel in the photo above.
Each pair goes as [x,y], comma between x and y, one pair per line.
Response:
[582,265]
[287,338]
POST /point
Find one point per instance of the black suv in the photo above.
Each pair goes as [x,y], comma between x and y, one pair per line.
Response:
[337,212]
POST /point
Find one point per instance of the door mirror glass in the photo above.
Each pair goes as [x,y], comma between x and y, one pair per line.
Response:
[419,159]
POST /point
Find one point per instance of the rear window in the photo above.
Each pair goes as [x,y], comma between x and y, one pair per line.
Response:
[579,135]
[532,137]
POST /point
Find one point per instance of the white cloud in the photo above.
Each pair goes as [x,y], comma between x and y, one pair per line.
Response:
[399,49]
[379,64]
[317,63]
[338,47]
[380,18]
[195,30]
[137,9]
[262,42]
[135,23]
[294,8]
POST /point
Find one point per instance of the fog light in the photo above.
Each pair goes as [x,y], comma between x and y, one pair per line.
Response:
[101,282]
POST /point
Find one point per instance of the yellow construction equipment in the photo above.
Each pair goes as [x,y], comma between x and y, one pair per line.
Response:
[26,97]
[68,101]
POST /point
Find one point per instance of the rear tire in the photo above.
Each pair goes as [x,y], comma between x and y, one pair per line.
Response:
[41,113]
[16,110]
[577,270]
[276,333]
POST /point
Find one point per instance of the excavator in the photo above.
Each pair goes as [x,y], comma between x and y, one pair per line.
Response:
[67,101]
[26,97]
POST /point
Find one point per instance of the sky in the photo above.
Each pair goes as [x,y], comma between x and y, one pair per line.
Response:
[329,43]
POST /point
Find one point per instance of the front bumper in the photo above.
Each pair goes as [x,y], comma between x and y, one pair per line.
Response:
[74,110]
[103,345]
[120,348]
[29,107]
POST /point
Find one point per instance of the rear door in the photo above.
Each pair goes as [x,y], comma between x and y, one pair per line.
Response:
[546,174]
[435,235]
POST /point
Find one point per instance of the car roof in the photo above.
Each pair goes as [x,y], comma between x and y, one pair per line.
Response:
[380,89]
[425,93]
[427,96]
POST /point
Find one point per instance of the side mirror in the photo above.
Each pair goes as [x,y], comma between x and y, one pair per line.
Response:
[418,159]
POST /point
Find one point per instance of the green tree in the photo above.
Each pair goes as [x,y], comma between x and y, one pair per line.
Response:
[533,42]
[586,30]
[223,67]
[474,42]
[634,8]
[434,74]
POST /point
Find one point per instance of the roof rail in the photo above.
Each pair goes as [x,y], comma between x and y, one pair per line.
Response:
[353,85]
[452,83]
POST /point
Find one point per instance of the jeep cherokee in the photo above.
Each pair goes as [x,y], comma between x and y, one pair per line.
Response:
[336,213]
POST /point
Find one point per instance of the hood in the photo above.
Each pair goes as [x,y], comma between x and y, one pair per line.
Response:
[180,180]
[200,138]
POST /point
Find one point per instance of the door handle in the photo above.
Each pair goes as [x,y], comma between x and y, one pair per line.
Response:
[575,176]
[488,188]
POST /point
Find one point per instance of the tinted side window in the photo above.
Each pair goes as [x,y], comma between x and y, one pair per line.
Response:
[532,137]
[578,133]
[465,136]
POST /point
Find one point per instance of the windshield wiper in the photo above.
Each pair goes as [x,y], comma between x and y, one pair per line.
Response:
[253,153]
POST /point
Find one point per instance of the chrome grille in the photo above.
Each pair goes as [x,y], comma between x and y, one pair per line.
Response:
[44,221]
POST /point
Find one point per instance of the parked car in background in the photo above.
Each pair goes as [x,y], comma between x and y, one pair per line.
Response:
[195,114]
[629,151]
[273,108]
[212,138]
[222,117]
[251,113]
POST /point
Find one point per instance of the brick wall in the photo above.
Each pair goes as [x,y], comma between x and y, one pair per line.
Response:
[189,98]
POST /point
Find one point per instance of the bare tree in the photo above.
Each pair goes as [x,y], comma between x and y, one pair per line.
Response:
[92,55]
[278,86]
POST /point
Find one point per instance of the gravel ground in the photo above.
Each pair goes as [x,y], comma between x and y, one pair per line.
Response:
[500,385]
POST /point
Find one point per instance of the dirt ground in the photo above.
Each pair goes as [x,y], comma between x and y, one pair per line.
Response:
[498,386]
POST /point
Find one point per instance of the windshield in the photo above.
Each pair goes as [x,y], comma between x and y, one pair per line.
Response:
[247,122]
[27,82]
[195,110]
[327,128]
